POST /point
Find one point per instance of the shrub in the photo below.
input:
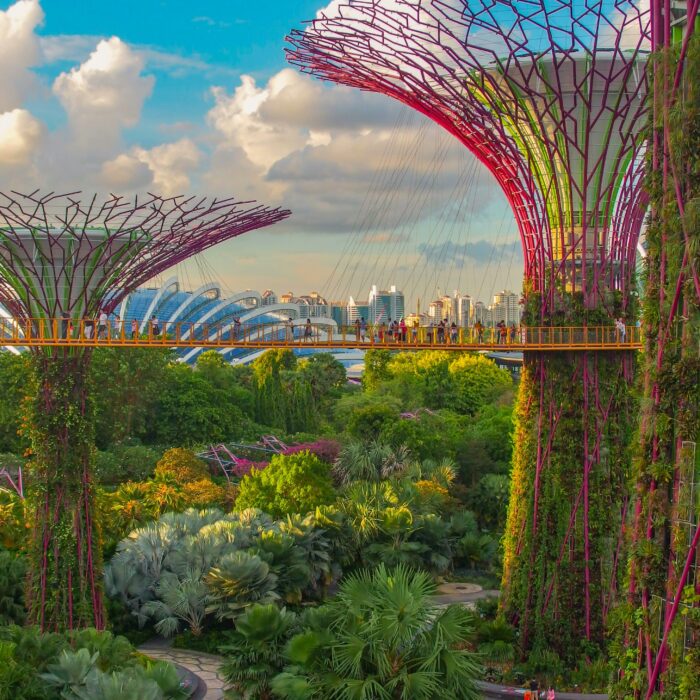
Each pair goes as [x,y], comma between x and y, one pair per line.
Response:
[240,580]
[203,493]
[181,465]
[382,637]
[255,653]
[12,575]
[325,450]
[290,484]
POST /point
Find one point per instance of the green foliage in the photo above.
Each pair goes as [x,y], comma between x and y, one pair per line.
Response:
[84,665]
[239,580]
[127,383]
[295,483]
[13,571]
[125,463]
[190,410]
[15,385]
[381,637]
[255,652]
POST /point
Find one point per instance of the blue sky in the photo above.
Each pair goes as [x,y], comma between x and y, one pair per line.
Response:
[176,96]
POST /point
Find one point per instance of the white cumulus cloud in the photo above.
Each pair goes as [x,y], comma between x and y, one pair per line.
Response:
[19,52]
[105,93]
[20,134]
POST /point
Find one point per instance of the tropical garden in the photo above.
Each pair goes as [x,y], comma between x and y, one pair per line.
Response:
[312,571]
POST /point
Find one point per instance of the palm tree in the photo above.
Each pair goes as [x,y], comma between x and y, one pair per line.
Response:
[255,652]
[374,461]
[381,637]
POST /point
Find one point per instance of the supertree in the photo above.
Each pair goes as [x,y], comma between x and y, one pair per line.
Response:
[63,258]
[658,644]
[550,96]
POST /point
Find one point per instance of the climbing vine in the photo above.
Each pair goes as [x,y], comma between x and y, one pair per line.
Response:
[658,626]
[562,548]
[64,581]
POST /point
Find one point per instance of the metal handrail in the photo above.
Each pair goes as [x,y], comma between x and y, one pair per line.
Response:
[89,332]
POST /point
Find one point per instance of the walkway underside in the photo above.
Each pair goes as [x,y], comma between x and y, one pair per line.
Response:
[277,335]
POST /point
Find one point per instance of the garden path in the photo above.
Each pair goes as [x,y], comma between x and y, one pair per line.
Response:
[206,666]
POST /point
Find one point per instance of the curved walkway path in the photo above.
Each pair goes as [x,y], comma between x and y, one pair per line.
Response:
[205,666]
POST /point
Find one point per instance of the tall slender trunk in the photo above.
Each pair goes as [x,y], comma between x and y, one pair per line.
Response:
[64,583]
[567,498]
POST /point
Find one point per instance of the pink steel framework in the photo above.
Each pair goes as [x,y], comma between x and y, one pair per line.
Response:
[60,255]
[550,96]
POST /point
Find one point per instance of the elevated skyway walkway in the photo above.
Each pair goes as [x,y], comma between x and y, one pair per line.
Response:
[87,333]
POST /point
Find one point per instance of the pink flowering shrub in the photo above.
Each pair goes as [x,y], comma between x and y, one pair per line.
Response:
[325,450]
[244,466]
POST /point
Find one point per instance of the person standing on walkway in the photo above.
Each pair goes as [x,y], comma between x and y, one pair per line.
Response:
[102,325]
[134,329]
[307,331]
[363,329]
[479,328]
[453,333]
[414,332]
[402,330]
[289,330]
[155,326]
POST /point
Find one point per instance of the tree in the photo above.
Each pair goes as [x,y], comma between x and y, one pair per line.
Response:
[15,385]
[296,483]
[477,381]
[382,638]
[126,385]
[190,410]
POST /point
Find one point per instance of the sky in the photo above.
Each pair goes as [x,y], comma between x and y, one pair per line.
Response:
[182,97]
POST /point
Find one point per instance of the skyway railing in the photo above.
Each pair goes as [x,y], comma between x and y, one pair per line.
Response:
[88,333]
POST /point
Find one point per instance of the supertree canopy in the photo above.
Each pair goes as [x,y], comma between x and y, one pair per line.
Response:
[63,257]
[550,96]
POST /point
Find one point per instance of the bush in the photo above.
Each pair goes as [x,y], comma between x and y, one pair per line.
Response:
[382,632]
[181,465]
[12,574]
[290,484]
[86,664]
[255,652]
[325,450]
[125,463]
[204,493]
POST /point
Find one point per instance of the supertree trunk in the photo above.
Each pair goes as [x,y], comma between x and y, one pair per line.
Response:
[568,498]
[64,584]
[658,640]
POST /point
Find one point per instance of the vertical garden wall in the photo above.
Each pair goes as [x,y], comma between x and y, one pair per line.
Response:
[569,489]
[64,588]
[658,626]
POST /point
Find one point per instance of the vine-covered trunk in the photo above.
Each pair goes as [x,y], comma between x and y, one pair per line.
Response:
[568,498]
[658,635]
[64,582]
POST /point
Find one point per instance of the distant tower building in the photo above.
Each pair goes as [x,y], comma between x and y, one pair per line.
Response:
[435,310]
[355,311]
[464,309]
[481,314]
[384,305]
[506,308]
[449,310]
